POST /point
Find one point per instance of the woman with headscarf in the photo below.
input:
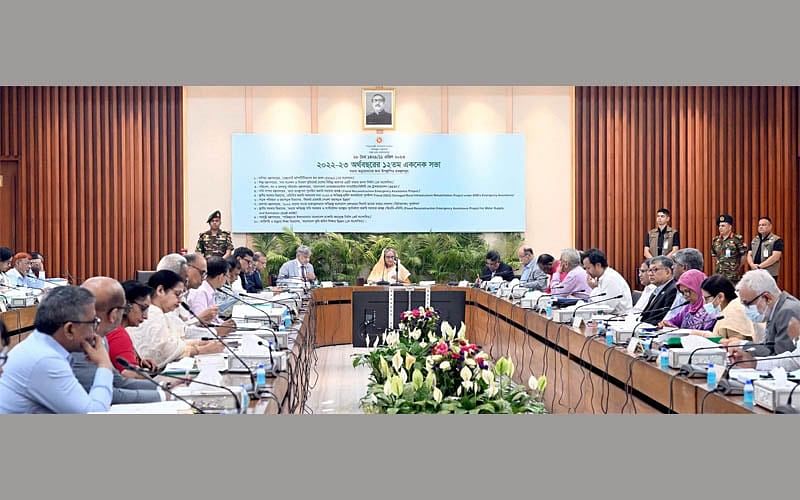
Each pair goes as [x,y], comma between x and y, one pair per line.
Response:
[694,315]
[386,269]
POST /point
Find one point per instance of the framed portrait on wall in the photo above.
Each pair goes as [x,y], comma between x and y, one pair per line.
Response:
[379,106]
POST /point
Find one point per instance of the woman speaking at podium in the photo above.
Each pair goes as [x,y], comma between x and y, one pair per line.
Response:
[386,270]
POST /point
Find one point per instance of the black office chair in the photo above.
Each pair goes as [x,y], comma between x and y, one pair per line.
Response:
[144,276]
[636,295]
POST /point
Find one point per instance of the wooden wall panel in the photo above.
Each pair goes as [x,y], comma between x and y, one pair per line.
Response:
[100,175]
[699,151]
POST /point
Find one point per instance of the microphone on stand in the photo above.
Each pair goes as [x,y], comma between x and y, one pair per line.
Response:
[665,308]
[788,408]
[271,361]
[124,363]
[214,334]
[397,281]
[597,301]
[264,314]
[555,295]
[726,375]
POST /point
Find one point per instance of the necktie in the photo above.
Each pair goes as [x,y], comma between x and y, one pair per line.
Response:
[303,272]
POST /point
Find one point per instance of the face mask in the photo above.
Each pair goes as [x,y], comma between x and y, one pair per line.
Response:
[753,314]
[711,309]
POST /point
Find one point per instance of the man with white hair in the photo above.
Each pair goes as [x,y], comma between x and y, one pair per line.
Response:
[299,267]
[575,282]
[176,263]
[764,301]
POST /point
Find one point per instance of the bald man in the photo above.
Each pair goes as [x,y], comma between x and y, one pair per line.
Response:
[110,304]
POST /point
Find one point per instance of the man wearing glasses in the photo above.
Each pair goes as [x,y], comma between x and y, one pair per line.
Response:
[660,272]
[765,302]
[37,377]
[110,305]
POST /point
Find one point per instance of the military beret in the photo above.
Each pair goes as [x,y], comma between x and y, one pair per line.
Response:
[725,218]
[214,215]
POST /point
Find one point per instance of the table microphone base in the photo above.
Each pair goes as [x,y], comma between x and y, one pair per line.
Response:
[731,387]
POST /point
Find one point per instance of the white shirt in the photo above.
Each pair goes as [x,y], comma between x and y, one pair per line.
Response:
[790,364]
[644,299]
[160,337]
[612,284]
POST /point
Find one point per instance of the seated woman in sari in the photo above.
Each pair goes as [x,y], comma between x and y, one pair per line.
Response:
[386,269]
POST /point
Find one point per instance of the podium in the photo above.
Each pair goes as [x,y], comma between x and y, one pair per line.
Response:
[374,306]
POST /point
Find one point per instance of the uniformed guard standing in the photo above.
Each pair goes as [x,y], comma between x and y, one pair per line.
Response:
[728,250]
[662,239]
[215,242]
[766,249]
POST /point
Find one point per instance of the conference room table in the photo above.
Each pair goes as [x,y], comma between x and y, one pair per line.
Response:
[19,322]
[584,375]
[288,391]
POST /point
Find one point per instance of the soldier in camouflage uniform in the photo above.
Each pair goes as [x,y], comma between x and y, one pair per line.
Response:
[215,242]
[728,250]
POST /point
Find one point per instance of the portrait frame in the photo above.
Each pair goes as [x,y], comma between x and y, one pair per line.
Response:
[390,102]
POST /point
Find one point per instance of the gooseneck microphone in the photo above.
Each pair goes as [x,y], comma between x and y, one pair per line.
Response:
[597,301]
[214,334]
[726,347]
[556,295]
[238,299]
[788,408]
[124,363]
[665,308]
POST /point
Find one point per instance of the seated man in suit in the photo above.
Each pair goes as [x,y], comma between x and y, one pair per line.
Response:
[663,296]
[110,305]
[379,116]
[495,267]
[533,276]
[765,302]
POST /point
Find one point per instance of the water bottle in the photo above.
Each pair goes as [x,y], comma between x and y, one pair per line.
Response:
[646,344]
[711,377]
[748,393]
[602,331]
[261,376]
[287,319]
[245,399]
[548,308]
[663,358]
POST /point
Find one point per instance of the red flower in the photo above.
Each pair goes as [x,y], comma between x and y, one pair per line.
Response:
[416,313]
[440,348]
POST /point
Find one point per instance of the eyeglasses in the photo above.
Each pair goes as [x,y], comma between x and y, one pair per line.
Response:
[751,302]
[125,309]
[391,257]
[656,269]
[202,272]
[95,322]
[142,307]
[708,298]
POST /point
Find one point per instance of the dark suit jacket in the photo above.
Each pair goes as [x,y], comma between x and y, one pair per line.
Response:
[504,271]
[659,305]
[249,282]
[786,308]
[125,390]
[385,118]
